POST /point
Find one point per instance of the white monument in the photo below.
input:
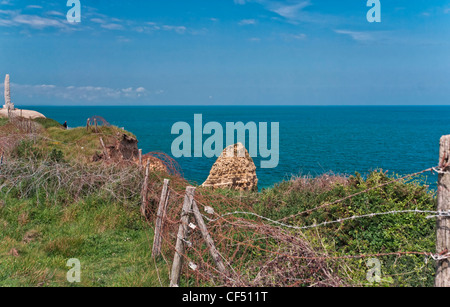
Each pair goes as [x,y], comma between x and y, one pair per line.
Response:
[8,105]
[9,110]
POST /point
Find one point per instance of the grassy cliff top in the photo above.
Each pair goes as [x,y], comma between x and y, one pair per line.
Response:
[54,206]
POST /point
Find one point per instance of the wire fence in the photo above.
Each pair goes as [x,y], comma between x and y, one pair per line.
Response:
[257,250]
[261,251]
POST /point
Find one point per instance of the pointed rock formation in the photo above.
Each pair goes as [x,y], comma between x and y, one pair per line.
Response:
[234,169]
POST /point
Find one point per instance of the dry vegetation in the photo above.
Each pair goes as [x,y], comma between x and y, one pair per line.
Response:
[57,204]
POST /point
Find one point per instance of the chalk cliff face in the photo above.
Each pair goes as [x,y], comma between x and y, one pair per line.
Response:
[234,169]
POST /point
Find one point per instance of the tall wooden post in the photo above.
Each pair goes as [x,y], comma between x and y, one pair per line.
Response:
[165,194]
[443,204]
[105,151]
[87,124]
[181,237]
[145,190]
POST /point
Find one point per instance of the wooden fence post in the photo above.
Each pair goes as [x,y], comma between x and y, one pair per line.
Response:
[87,124]
[105,151]
[145,190]
[165,194]
[443,204]
[96,127]
[209,241]
[181,237]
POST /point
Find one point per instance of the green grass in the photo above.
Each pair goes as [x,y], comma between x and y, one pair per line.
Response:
[3,121]
[48,123]
[48,222]
[382,234]
[77,145]
[111,241]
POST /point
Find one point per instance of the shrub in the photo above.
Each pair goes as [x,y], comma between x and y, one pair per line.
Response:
[26,149]
[56,155]
[372,235]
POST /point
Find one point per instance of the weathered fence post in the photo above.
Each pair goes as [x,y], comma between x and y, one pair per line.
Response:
[165,194]
[443,204]
[105,151]
[209,241]
[145,190]
[96,127]
[181,237]
[87,124]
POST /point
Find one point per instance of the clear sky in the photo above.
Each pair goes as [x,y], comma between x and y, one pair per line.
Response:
[220,52]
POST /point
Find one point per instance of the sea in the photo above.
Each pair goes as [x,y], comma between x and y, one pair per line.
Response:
[313,140]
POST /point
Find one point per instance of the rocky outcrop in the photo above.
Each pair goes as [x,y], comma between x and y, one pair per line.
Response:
[234,169]
[125,149]
[154,164]
[28,114]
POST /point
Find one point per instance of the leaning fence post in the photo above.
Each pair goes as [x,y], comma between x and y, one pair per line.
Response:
[443,205]
[165,194]
[181,237]
[105,151]
[209,241]
[145,190]
[87,124]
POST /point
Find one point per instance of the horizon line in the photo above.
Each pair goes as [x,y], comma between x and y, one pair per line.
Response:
[240,105]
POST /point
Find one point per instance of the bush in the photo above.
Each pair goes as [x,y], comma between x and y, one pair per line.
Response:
[380,234]
[26,149]
[56,155]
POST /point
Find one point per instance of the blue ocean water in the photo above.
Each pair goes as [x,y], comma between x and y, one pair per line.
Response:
[313,140]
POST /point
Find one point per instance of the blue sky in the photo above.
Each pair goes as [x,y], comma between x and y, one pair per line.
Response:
[220,52]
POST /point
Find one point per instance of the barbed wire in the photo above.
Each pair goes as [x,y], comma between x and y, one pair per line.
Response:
[271,239]
[358,193]
[432,214]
